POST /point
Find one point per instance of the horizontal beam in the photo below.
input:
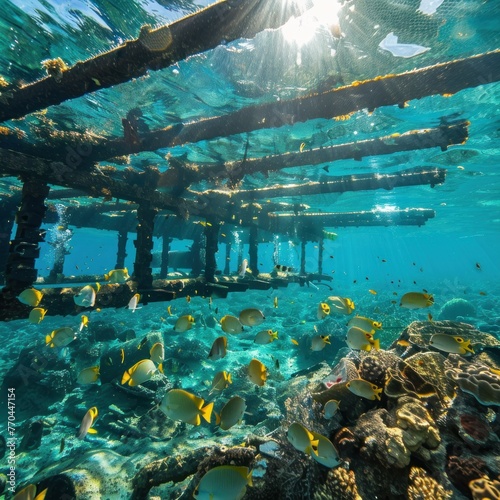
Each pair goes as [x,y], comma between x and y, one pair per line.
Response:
[219,23]
[337,184]
[442,137]
[444,78]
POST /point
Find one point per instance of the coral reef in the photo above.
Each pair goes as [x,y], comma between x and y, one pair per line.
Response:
[424,487]
[477,379]
[455,308]
[485,489]
[462,470]
[340,484]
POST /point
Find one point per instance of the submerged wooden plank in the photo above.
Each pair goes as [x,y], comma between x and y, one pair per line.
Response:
[221,22]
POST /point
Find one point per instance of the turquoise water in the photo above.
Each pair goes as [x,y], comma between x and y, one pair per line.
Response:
[453,257]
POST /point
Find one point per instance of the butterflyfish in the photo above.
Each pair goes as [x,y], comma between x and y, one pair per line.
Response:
[157,353]
[242,270]
[225,482]
[341,305]
[366,324]
[326,454]
[220,381]
[323,310]
[132,304]
[29,493]
[60,337]
[301,438]
[142,343]
[36,315]
[184,323]
[330,408]
[275,302]
[416,300]
[231,324]
[88,375]
[87,295]
[83,323]
[141,372]
[358,339]
[87,423]
[283,269]
[30,297]
[178,404]
[451,343]
[231,413]
[364,389]
[265,337]
[117,276]
[251,317]
[257,372]
[318,342]
[219,349]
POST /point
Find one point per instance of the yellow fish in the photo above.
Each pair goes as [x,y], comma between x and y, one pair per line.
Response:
[87,295]
[84,322]
[30,297]
[323,310]
[294,342]
[157,353]
[231,324]
[132,304]
[451,343]
[302,146]
[184,323]
[325,453]
[122,355]
[232,413]
[358,339]
[169,310]
[60,337]
[366,324]
[318,342]
[301,438]
[251,317]
[342,305]
[117,276]
[29,492]
[265,337]
[141,372]
[221,381]
[178,404]
[257,372]
[330,408]
[219,349]
[87,423]
[36,315]
[373,292]
[225,482]
[416,300]
[275,302]
[364,389]
[88,375]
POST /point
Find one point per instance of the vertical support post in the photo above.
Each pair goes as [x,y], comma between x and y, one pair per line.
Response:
[320,256]
[227,269]
[253,246]
[20,272]
[143,273]
[211,248]
[7,212]
[121,253]
[164,254]
[303,257]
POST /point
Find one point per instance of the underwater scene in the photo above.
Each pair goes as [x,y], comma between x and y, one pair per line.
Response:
[250,249]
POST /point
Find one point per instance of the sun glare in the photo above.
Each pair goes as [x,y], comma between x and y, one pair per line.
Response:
[323,14]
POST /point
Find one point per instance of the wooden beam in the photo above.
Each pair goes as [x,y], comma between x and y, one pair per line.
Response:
[219,23]
[442,137]
[444,78]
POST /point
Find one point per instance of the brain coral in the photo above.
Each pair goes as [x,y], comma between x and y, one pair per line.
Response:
[455,308]
[424,487]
